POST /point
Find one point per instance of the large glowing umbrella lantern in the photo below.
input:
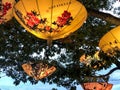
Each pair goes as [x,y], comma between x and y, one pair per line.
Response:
[110,42]
[50,19]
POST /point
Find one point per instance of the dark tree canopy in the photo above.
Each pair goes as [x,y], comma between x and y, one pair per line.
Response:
[17,46]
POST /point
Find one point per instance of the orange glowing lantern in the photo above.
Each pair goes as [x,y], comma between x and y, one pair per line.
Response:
[6,7]
[38,70]
[87,59]
[97,86]
[50,19]
[110,42]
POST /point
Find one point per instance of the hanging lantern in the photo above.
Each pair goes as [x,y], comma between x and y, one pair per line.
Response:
[38,70]
[87,59]
[110,42]
[6,7]
[50,19]
[97,86]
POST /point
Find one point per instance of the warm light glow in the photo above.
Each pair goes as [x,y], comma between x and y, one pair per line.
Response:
[110,42]
[50,19]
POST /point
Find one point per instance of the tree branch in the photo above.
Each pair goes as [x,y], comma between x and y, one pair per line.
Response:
[111,71]
[105,16]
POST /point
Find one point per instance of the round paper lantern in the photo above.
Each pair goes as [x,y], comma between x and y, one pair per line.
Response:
[110,42]
[6,7]
[38,70]
[97,86]
[50,19]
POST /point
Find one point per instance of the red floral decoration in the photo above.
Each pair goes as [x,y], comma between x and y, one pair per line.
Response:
[64,19]
[32,21]
[6,7]
[61,21]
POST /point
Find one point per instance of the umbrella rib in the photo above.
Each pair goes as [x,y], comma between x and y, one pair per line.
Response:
[69,5]
[23,6]
[38,8]
[51,12]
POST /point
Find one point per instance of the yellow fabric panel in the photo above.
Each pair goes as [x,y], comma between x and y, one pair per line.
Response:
[43,7]
[110,40]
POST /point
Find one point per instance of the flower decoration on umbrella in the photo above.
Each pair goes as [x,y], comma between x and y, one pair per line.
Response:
[38,70]
[52,19]
[35,23]
[6,7]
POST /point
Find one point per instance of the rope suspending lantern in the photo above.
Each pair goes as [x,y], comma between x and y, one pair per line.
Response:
[50,19]
[110,42]
[6,8]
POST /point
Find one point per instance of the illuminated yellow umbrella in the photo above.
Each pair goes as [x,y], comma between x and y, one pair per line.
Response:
[110,42]
[6,8]
[50,19]
[97,86]
[38,70]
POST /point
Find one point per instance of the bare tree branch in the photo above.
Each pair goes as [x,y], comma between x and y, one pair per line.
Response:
[111,71]
[105,16]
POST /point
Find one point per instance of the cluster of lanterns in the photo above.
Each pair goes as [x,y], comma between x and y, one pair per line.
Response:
[51,20]
[46,19]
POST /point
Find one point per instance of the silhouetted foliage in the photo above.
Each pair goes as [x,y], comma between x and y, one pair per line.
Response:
[17,46]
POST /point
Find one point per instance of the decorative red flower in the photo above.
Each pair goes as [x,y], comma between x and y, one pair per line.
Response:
[32,20]
[7,6]
[35,20]
[61,21]
[66,15]
[30,14]
[30,23]
[47,28]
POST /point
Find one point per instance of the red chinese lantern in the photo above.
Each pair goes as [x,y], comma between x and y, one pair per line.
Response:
[38,70]
[6,7]
[50,19]
[97,86]
[110,42]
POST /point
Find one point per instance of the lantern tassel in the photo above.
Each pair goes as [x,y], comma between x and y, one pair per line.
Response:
[49,41]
